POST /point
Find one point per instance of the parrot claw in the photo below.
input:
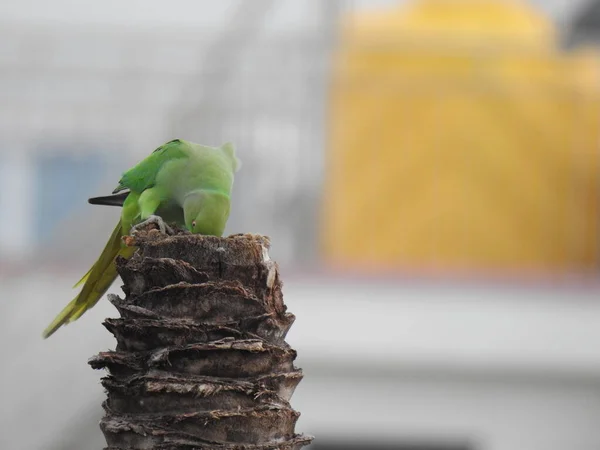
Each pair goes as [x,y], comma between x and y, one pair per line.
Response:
[157,220]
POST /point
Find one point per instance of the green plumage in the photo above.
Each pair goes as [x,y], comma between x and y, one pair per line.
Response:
[185,183]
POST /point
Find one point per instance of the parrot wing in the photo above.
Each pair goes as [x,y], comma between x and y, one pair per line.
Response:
[170,211]
[143,175]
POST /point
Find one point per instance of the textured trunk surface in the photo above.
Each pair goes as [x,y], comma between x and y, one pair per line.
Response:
[201,360]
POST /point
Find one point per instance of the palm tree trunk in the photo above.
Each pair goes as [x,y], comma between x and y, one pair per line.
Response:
[201,362]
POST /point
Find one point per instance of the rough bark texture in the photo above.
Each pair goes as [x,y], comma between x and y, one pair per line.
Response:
[201,361]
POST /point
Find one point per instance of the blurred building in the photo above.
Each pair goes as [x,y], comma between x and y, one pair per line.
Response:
[584,27]
[84,103]
[463,138]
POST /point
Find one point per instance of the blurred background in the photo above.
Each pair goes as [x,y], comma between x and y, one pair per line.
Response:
[428,171]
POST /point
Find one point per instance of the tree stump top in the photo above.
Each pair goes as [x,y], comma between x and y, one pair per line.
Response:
[201,359]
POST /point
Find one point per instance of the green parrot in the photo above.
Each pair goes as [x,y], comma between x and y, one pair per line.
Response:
[180,182]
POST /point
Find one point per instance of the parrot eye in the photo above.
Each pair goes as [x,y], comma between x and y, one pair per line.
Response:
[193,224]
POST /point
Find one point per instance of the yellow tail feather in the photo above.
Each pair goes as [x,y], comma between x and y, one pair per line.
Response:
[83,278]
[96,282]
[60,319]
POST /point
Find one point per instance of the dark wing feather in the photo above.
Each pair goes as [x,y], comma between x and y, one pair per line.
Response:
[109,200]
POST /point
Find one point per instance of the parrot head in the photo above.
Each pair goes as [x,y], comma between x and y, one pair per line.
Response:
[206,212]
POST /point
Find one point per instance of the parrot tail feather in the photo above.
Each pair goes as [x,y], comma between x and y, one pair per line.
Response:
[83,278]
[61,319]
[95,283]
[77,313]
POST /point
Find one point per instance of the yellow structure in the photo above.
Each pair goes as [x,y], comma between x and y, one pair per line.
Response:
[462,137]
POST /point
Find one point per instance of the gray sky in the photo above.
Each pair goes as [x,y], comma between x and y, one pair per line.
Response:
[187,13]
